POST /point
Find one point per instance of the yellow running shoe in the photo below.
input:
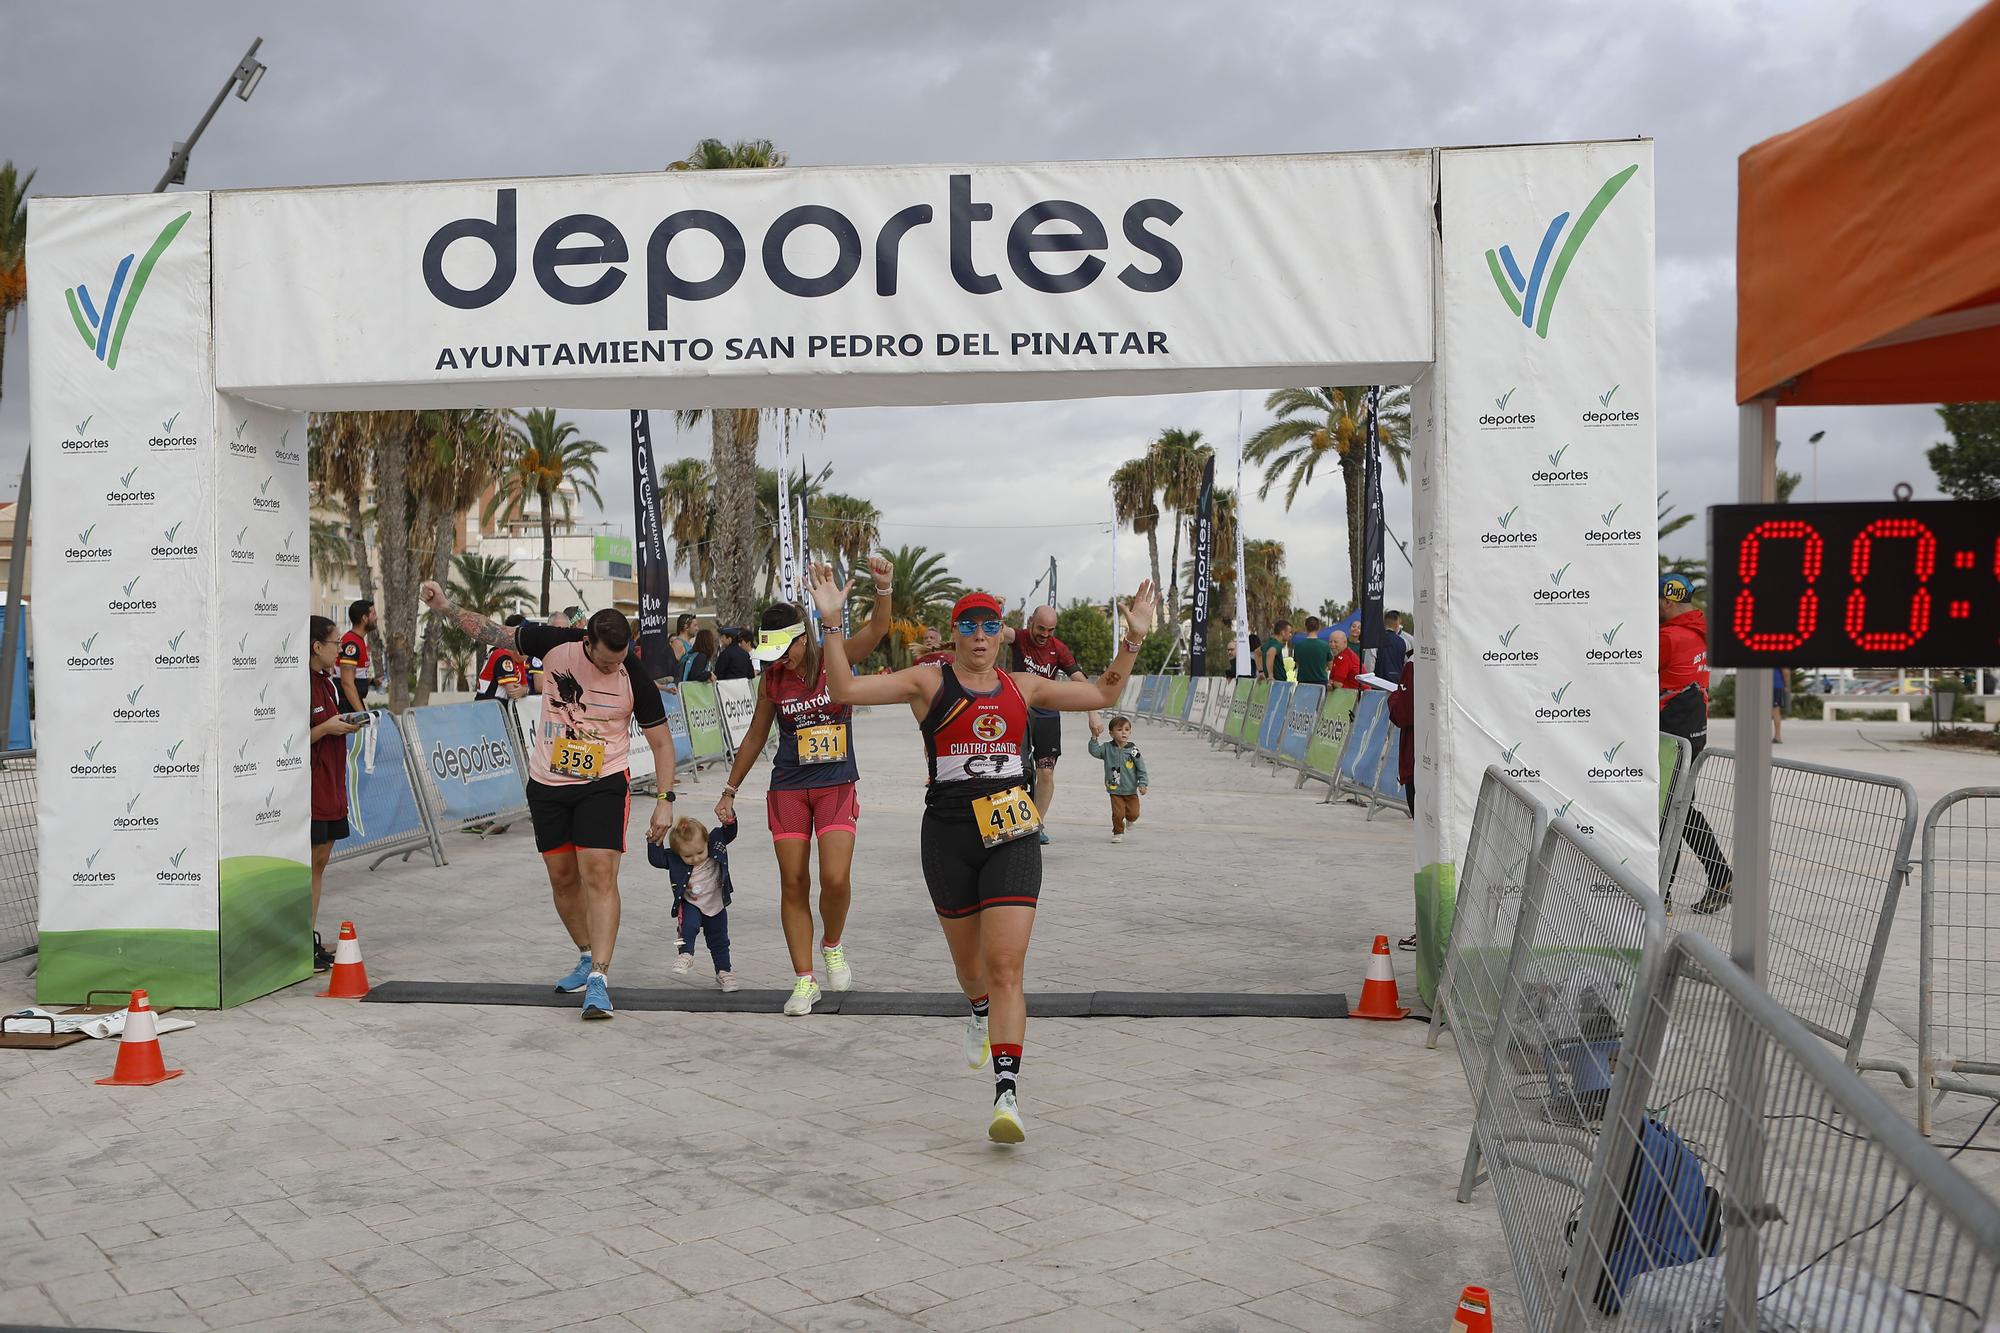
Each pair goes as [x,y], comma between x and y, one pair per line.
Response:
[977,1048]
[805,994]
[1007,1126]
[839,976]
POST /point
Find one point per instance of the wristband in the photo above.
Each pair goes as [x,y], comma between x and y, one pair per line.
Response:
[881,591]
[1130,646]
[729,790]
[666,796]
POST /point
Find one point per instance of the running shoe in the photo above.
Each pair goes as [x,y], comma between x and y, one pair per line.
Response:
[839,976]
[1117,838]
[1007,1126]
[805,994]
[596,997]
[573,983]
[726,980]
[977,1048]
[683,964]
[322,960]
[1716,898]
[1045,837]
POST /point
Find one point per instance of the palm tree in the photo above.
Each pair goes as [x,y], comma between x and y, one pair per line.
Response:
[1315,423]
[1267,591]
[733,432]
[1133,499]
[922,590]
[1178,457]
[343,450]
[844,527]
[455,458]
[552,466]
[13,249]
[687,491]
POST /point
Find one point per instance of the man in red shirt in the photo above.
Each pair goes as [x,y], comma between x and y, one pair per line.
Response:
[354,680]
[931,651]
[1343,671]
[328,750]
[505,675]
[1041,652]
[1684,713]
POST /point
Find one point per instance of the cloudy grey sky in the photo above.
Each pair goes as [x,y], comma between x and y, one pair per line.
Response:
[93,94]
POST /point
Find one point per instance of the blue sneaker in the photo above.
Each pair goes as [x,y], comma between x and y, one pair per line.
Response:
[1045,838]
[573,983]
[596,997]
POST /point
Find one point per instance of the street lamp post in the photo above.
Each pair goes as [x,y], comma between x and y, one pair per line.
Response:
[1814,440]
[243,81]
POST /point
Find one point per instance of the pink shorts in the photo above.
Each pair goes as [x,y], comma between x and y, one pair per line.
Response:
[807,812]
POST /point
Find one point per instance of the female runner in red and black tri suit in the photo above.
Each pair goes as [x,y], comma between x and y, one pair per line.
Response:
[982,861]
[813,784]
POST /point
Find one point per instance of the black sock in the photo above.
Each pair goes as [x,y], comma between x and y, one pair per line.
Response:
[1006,1069]
[979,1007]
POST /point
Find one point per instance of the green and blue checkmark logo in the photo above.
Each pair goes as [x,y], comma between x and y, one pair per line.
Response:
[1610,636]
[1532,295]
[1508,637]
[1557,577]
[1612,513]
[103,331]
[1557,695]
[1502,400]
[1604,399]
[1508,517]
[1556,458]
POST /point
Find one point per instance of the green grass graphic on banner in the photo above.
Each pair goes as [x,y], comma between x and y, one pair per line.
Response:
[174,967]
[266,925]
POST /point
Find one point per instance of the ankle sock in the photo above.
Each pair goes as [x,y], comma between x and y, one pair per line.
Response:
[1006,1069]
[979,1007]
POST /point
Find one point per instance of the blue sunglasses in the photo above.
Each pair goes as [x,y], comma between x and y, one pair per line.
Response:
[970,627]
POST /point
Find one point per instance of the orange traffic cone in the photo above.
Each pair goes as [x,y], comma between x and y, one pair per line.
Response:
[139,1063]
[1378,991]
[349,979]
[1475,1312]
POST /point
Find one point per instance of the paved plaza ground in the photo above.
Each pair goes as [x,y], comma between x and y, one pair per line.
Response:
[346,1166]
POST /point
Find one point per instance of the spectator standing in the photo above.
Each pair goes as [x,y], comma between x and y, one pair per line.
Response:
[1311,655]
[1684,713]
[355,682]
[1275,661]
[1395,648]
[1781,702]
[683,636]
[1403,712]
[733,662]
[505,674]
[697,663]
[327,742]
[1344,666]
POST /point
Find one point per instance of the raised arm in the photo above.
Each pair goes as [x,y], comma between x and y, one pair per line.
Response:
[901,687]
[869,635]
[469,623]
[1074,696]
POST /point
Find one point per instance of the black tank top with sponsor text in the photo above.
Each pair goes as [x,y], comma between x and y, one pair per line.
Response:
[974,743]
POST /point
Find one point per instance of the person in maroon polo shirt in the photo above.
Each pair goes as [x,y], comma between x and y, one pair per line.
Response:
[328,739]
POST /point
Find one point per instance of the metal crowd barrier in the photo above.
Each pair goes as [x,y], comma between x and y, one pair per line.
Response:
[1296,727]
[1747,1179]
[1840,851]
[1500,854]
[20,852]
[387,813]
[1271,723]
[1958,1013]
[1230,726]
[1328,739]
[1584,949]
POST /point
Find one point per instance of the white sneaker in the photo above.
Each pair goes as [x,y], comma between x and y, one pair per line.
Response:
[1117,837]
[805,994]
[1007,1126]
[839,976]
[977,1048]
[683,964]
[726,980]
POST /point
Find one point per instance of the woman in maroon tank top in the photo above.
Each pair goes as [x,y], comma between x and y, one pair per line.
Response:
[982,861]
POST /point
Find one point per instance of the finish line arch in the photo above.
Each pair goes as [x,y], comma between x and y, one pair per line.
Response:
[1512,288]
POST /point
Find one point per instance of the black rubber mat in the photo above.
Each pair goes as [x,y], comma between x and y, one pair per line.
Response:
[902,1004]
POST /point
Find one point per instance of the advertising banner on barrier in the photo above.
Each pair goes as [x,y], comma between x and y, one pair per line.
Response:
[1329,732]
[738,700]
[704,720]
[677,724]
[1548,473]
[838,288]
[381,805]
[1299,719]
[1177,698]
[1271,725]
[20,728]
[466,753]
[1253,717]
[1239,709]
[1363,751]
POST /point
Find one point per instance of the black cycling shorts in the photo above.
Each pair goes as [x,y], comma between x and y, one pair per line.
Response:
[965,876]
[1045,735]
[569,815]
[328,830]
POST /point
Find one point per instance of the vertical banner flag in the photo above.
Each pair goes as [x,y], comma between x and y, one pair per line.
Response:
[1204,540]
[788,577]
[655,653]
[1369,595]
[1116,628]
[1242,570]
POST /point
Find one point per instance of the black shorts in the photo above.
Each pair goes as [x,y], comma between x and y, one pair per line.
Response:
[328,830]
[569,815]
[965,876]
[1045,734]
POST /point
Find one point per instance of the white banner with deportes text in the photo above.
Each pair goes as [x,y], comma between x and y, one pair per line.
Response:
[1544,480]
[826,287]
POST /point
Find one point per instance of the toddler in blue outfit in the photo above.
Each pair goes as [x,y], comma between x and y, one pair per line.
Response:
[697,862]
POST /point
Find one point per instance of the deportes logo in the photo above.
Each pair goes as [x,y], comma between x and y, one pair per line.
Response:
[1532,296]
[1608,649]
[1609,532]
[1502,419]
[1558,471]
[85,442]
[103,331]
[1561,591]
[1604,414]
[1560,708]
[1516,768]
[1510,530]
[1510,653]
[1611,770]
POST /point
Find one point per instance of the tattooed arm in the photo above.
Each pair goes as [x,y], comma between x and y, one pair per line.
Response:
[470,623]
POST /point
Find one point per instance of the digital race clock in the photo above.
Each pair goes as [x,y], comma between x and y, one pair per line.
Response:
[1887,584]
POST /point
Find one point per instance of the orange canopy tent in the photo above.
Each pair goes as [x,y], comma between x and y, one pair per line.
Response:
[1868,240]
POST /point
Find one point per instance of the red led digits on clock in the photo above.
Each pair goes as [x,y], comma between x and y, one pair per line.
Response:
[1920,601]
[1806,614]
